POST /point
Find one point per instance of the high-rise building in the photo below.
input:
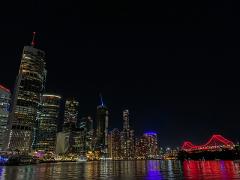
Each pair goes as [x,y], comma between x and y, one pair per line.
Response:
[140,148]
[102,128]
[86,125]
[127,138]
[77,141]
[114,144]
[70,125]
[151,145]
[70,114]
[26,98]
[47,123]
[125,119]
[4,112]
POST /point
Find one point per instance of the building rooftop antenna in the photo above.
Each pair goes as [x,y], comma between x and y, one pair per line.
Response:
[33,39]
[101,99]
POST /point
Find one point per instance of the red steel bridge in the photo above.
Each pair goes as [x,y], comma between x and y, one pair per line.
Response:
[216,142]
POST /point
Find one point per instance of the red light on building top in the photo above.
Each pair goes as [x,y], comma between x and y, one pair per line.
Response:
[33,39]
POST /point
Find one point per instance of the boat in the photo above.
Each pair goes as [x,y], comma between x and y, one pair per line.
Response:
[82,159]
[21,160]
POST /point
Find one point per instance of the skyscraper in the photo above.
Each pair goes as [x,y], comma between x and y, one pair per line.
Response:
[70,114]
[86,125]
[77,141]
[26,98]
[151,144]
[4,112]
[47,123]
[114,144]
[125,120]
[127,138]
[70,125]
[140,148]
[102,128]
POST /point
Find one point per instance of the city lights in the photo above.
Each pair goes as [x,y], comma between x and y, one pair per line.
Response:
[32,131]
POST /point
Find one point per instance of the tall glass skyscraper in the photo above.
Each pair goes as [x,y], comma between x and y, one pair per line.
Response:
[26,98]
[114,144]
[125,119]
[47,123]
[102,128]
[70,114]
[70,128]
[127,138]
[86,125]
[4,112]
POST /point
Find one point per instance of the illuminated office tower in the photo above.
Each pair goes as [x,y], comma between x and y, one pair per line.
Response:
[125,119]
[4,112]
[76,141]
[47,123]
[127,138]
[26,98]
[151,145]
[70,114]
[86,125]
[114,144]
[102,128]
[140,148]
[70,125]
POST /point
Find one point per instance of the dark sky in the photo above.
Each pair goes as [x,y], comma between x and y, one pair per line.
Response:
[174,64]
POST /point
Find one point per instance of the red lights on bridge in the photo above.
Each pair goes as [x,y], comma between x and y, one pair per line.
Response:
[215,142]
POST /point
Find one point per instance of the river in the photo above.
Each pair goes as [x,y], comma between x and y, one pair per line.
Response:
[151,169]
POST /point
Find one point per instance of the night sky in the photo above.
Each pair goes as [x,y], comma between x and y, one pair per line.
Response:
[174,64]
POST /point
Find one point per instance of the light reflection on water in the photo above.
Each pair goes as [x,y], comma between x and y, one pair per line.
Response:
[149,170]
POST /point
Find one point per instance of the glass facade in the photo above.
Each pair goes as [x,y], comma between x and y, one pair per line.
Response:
[70,114]
[114,144]
[26,99]
[86,125]
[102,128]
[151,145]
[70,125]
[140,148]
[127,138]
[4,112]
[47,123]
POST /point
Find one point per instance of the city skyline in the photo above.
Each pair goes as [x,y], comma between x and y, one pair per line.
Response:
[32,123]
[119,90]
[158,118]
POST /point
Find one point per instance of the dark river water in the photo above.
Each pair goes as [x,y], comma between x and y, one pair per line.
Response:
[152,169]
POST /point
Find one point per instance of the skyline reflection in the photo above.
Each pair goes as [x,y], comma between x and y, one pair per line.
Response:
[211,169]
[151,169]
